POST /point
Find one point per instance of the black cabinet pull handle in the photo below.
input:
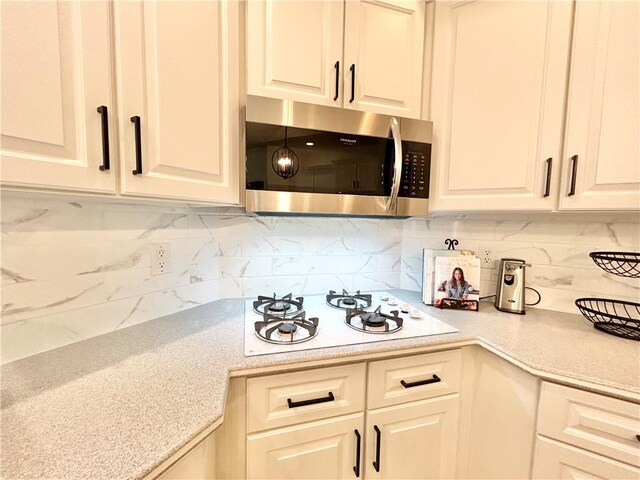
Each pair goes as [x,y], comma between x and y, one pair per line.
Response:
[337,66]
[376,464]
[638,437]
[547,188]
[434,379]
[353,82]
[313,401]
[356,469]
[574,171]
[104,118]
[136,123]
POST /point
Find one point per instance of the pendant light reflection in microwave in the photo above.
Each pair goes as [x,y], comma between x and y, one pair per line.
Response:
[284,160]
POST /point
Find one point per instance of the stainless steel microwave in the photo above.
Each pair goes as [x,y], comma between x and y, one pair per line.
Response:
[311,159]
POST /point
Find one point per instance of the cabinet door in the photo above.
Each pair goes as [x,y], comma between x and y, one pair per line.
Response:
[293,48]
[56,72]
[178,71]
[322,449]
[198,463]
[559,461]
[415,440]
[498,89]
[603,119]
[384,44]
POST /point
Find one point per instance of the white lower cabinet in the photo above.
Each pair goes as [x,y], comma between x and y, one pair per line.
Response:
[592,436]
[324,449]
[311,424]
[197,463]
[484,418]
[320,416]
[415,440]
[559,461]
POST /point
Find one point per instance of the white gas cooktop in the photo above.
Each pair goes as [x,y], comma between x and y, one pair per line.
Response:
[332,330]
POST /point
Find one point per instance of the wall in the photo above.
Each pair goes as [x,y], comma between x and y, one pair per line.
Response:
[72,269]
[556,245]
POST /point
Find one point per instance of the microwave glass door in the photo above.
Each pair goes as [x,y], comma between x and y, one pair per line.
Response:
[329,162]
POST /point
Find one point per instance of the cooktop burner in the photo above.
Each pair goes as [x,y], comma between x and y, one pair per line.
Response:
[288,326]
[374,322]
[346,300]
[277,330]
[284,307]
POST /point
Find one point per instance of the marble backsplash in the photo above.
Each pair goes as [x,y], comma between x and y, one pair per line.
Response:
[556,245]
[73,269]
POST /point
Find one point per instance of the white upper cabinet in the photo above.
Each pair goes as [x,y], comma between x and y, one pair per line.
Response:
[56,72]
[294,50]
[383,56]
[499,76]
[603,124]
[366,55]
[498,91]
[178,73]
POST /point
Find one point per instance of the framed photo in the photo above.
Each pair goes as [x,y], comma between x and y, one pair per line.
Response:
[457,281]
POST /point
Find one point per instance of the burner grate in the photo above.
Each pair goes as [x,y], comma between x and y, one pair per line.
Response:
[284,307]
[344,301]
[297,329]
[374,322]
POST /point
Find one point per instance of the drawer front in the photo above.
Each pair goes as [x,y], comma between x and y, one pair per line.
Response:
[559,461]
[289,398]
[407,379]
[594,422]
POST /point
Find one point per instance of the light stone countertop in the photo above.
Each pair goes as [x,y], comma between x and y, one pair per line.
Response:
[118,405]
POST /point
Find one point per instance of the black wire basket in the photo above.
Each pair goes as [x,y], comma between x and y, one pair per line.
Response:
[612,316]
[623,264]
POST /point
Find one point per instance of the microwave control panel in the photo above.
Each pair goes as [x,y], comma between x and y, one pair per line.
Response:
[415,174]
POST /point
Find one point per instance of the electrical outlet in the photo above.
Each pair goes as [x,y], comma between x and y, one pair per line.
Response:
[160,258]
[486,257]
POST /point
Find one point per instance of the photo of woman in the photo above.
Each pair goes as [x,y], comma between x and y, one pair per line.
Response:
[456,282]
[456,286]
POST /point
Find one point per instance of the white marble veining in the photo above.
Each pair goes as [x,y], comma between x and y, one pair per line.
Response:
[72,269]
[556,245]
[76,269]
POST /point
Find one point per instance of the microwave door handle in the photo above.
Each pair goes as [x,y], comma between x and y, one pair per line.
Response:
[397,164]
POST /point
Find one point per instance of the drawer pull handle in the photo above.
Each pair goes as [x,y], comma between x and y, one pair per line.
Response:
[313,401]
[376,464]
[434,379]
[356,469]
[638,437]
